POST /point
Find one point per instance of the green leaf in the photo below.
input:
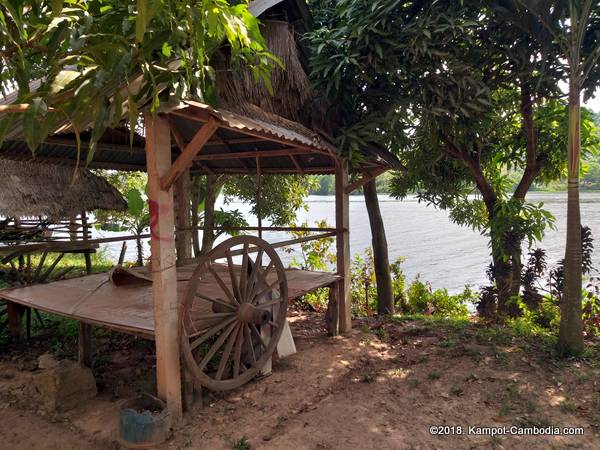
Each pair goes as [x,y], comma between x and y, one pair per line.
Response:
[99,127]
[135,202]
[166,49]
[35,122]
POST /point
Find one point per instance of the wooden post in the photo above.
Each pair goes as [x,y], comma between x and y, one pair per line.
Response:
[258,195]
[164,278]
[84,341]
[342,225]
[15,316]
[208,232]
[332,314]
[86,230]
[183,238]
[85,345]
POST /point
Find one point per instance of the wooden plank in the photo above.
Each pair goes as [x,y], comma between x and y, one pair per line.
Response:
[162,243]
[93,300]
[342,223]
[185,159]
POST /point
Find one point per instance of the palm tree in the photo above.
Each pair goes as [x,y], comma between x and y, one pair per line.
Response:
[572,26]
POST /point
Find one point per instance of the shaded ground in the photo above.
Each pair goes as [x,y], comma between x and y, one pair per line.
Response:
[381,387]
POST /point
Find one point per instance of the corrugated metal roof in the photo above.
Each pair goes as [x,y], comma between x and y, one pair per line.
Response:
[277,127]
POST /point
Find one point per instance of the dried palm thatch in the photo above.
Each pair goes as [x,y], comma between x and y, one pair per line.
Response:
[29,188]
[237,87]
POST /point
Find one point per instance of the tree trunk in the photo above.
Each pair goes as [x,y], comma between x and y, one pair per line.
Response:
[570,337]
[208,235]
[140,251]
[385,293]
[183,236]
[515,283]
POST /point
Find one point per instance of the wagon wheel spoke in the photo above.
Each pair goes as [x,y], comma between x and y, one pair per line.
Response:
[210,316]
[218,301]
[40,266]
[270,303]
[233,278]
[28,268]
[262,277]
[216,346]
[266,290]
[255,271]
[248,341]
[237,353]
[227,351]
[244,274]
[208,334]
[262,342]
[222,285]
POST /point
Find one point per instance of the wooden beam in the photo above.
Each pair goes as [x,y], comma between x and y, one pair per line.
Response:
[297,164]
[342,224]
[367,176]
[255,154]
[230,150]
[180,141]
[272,170]
[189,152]
[164,278]
[235,141]
[307,229]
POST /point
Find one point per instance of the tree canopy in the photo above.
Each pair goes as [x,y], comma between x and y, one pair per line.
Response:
[469,102]
[97,61]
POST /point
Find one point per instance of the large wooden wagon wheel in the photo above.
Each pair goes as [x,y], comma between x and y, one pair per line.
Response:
[232,315]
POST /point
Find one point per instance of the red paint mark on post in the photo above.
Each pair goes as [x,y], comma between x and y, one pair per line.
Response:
[156,210]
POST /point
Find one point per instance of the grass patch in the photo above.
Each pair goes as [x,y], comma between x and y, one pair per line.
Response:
[434,376]
[238,444]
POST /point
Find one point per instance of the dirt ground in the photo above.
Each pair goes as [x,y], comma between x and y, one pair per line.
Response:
[381,387]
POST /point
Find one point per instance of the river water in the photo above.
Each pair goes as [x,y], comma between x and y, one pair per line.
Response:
[443,253]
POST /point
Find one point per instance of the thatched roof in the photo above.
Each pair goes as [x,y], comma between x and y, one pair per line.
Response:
[237,87]
[29,188]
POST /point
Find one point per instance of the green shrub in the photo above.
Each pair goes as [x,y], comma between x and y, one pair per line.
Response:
[423,299]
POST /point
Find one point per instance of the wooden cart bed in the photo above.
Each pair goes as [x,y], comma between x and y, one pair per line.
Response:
[94,299]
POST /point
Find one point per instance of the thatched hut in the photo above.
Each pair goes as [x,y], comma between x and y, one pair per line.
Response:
[30,188]
[248,133]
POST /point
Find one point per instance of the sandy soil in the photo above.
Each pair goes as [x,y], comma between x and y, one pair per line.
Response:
[381,387]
